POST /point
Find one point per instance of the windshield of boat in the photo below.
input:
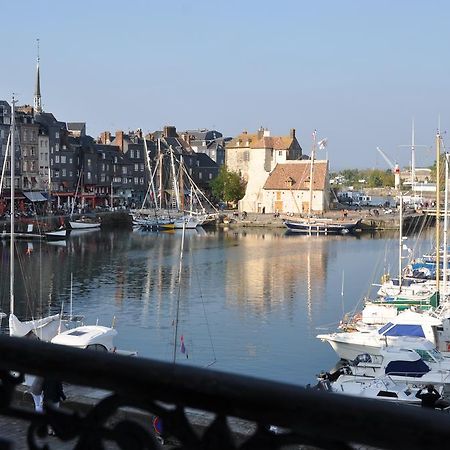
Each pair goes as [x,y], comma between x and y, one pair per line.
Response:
[432,355]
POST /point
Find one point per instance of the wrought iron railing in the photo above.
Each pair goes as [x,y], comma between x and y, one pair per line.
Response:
[303,416]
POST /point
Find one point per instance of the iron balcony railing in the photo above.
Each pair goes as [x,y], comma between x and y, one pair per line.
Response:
[304,417]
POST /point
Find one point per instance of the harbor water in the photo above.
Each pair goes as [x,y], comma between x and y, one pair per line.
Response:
[248,301]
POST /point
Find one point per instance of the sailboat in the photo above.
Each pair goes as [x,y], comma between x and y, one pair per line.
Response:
[47,327]
[83,223]
[313,225]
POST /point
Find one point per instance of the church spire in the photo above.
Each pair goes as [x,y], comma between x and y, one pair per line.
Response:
[37,91]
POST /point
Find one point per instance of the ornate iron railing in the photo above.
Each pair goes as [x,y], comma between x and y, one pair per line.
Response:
[305,416]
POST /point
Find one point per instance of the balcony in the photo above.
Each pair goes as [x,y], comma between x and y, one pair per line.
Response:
[305,417]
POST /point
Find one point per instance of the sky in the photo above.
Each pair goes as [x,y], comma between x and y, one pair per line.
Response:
[358,72]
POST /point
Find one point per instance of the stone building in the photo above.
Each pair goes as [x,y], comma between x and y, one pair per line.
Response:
[254,156]
[287,189]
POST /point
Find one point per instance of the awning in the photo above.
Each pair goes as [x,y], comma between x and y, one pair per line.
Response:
[35,196]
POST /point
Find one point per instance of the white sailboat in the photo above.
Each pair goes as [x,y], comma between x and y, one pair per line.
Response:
[83,223]
[47,327]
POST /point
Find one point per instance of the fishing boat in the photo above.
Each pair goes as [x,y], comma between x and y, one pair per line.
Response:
[322,226]
[84,223]
[318,225]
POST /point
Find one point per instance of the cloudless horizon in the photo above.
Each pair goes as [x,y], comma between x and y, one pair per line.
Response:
[358,72]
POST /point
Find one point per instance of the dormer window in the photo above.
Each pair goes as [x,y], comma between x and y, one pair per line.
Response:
[289,182]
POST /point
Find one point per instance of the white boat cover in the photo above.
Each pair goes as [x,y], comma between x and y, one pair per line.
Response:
[45,328]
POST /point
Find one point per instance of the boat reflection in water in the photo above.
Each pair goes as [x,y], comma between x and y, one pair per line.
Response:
[254,298]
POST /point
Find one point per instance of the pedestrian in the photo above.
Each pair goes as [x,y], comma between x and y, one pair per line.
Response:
[430,397]
[36,393]
[53,394]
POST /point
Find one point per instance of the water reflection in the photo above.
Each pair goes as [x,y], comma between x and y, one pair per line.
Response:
[253,299]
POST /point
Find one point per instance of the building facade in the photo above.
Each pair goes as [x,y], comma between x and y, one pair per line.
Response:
[254,156]
[287,189]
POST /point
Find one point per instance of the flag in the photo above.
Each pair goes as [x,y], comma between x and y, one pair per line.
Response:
[183,347]
[322,143]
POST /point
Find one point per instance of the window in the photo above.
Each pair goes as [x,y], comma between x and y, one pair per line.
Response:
[124,170]
[89,162]
[89,175]
[142,167]
[210,175]
[56,173]
[131,153]
[200,175]
[56,147]
[138,154]
[141,180]
[57,159]
[136,167]
[63,159]
[136,180]
[64,173]
[70,160]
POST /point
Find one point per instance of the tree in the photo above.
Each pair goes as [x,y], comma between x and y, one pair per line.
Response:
[228,186]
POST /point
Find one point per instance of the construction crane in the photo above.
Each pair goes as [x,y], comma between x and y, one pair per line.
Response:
[395,168]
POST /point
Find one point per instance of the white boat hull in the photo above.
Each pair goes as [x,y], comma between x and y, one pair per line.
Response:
[75,225]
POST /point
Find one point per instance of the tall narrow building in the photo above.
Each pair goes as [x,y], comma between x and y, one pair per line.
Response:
[37,92]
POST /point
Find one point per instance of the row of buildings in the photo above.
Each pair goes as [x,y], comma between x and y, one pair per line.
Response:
[59,160]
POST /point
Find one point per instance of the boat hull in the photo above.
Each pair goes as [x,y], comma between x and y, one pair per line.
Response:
[322,226]
[75,225]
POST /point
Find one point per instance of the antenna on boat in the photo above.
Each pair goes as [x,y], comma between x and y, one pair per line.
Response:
[71,297]
[179,293]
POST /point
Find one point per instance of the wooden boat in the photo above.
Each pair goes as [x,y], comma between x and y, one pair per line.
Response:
[84,223]
[322,226]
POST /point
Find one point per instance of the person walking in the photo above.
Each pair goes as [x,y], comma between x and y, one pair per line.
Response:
[53,393]
[36,392]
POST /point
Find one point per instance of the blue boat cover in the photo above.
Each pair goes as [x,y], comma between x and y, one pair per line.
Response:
[402,330]
[407,368]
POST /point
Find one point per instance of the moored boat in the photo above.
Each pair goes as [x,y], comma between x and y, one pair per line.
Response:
[322,226]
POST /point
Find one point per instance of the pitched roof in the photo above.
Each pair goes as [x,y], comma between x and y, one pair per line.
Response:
[275,142]
[295,176]
[257,140]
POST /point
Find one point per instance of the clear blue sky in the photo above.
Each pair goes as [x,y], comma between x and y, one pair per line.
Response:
[357,71]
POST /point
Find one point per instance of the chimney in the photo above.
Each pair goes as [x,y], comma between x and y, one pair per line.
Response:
[260,132]
[170,131]
[292,133]
[119,140]
[105,137]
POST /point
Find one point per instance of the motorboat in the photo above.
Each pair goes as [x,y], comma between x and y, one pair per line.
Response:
[419,366]
[383,388]
[407,327]
[91,337]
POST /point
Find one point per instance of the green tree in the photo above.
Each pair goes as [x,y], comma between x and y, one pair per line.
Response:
[228,186]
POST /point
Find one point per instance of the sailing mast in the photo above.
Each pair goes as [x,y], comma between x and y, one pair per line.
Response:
[160,159]
[11,246]
[445,259]
[179,295]
[400,244]
[438,209]
[311,174]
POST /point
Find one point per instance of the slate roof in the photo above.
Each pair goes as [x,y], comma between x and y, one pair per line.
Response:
[295,176]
